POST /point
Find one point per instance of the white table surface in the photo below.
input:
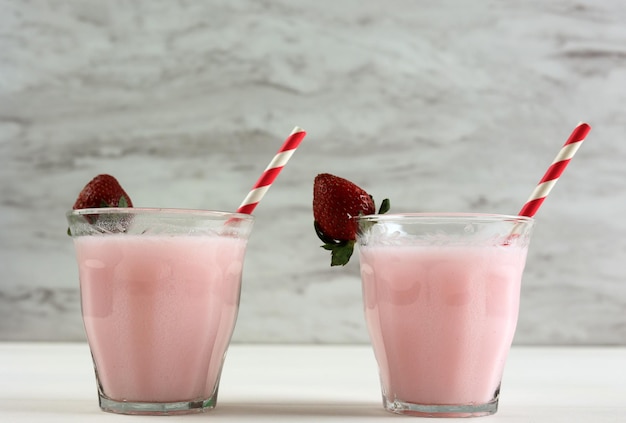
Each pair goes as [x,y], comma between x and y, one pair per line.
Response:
[43,382]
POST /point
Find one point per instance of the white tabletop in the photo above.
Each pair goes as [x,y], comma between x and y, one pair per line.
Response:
[274,383]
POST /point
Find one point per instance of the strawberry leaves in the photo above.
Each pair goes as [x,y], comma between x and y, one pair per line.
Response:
[340,251]
[385,206]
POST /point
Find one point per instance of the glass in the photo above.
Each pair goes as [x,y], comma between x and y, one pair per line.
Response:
[441,296]
[159,295]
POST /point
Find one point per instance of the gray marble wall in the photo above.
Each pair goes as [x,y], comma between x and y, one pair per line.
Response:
[438,105]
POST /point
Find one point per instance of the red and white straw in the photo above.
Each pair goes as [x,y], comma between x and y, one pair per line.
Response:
[270,173]
[555,170]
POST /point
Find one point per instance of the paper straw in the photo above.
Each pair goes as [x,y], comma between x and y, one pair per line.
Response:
[270,173]
[555,170]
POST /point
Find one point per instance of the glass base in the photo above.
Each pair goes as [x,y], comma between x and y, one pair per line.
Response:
[423,410]
[157,408]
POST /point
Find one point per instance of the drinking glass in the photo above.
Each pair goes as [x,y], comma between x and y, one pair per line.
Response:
[441,296]
[159,293]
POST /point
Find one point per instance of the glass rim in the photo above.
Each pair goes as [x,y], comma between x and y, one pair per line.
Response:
[444,217]
[219,214]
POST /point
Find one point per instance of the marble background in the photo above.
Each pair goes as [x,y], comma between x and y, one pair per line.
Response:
[438,105]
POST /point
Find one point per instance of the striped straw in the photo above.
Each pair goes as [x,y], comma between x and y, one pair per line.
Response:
[555,170]
[270,173]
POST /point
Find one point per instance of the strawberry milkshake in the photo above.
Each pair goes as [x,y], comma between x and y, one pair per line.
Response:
[160,295]
[441,295]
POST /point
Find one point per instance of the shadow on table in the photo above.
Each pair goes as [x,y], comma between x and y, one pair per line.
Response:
[301,409]
[81,409]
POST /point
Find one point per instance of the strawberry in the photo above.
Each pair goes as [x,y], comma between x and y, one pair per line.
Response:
[102,191]
[335,202]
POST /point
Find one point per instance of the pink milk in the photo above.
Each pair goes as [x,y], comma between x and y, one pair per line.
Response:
[441,318]
[159,312]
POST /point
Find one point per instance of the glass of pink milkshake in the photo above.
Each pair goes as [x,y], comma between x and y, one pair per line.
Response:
[441,295]
[160,296]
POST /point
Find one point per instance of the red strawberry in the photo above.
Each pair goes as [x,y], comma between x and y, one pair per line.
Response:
[335,202]
[102,191]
